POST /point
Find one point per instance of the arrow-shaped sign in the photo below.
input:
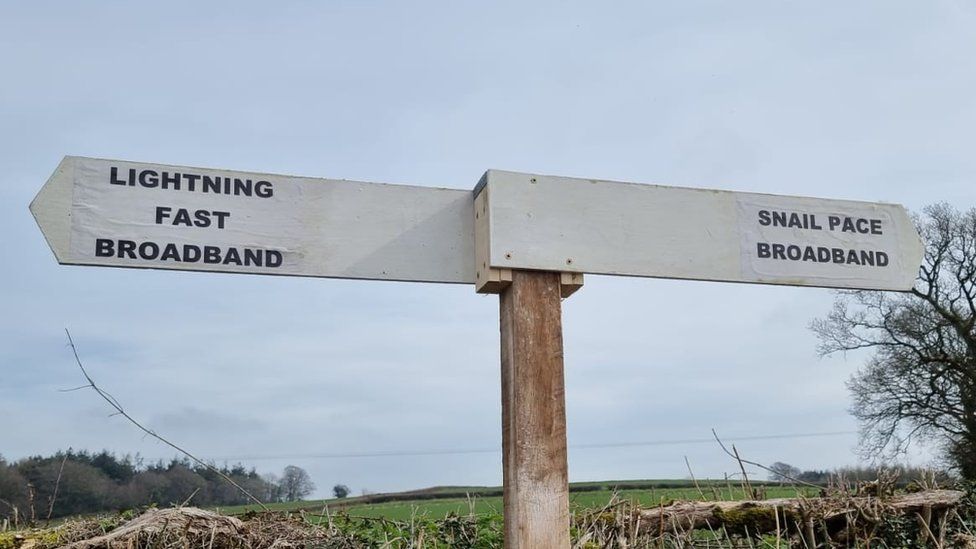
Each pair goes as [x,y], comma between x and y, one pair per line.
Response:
[128,214]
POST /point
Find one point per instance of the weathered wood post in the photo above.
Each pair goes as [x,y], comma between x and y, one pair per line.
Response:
[534,464]
[536,480]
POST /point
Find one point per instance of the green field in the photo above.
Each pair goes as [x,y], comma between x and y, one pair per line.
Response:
[402,510]
[429,505]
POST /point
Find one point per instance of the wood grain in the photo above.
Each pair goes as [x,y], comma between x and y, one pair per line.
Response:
[536,493]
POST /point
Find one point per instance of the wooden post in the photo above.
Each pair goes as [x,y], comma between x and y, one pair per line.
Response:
[536,488]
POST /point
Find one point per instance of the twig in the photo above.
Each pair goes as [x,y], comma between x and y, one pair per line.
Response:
[776,511]
[15,510]
[190,497]
[121,412]
[746,486]
[693,479]
[57,484]
[760,465]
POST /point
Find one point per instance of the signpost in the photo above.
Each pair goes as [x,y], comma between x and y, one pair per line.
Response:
[529,238]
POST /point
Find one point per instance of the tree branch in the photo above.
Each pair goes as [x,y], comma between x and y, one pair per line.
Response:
[120,411]
[740,460]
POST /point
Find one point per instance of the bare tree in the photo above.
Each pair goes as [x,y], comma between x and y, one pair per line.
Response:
[295,483]
[783,472]
[920,382]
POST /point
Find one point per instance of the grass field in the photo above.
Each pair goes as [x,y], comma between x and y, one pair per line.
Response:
[441,518]
[402,510]
[430,505]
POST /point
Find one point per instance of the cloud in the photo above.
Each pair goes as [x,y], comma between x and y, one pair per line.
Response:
[866,102]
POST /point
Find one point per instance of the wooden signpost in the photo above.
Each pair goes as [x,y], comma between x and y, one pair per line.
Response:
[529,238]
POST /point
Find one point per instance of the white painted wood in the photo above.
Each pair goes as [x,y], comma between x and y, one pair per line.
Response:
[348,229]
[487,280]
[52,207]
[589,226]
[321,227]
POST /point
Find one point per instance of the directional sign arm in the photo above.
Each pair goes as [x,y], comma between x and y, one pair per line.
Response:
[127,214]
[580,225]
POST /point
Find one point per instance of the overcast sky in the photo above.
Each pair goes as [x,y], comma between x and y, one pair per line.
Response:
[864,100]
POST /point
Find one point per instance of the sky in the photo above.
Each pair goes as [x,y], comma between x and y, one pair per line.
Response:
[389,386]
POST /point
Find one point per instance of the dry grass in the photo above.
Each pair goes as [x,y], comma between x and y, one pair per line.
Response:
[843,518]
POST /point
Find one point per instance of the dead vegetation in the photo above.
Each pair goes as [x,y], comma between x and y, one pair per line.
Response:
[928,518]
[804,522]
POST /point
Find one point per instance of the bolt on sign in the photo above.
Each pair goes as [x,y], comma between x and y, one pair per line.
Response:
[530,238]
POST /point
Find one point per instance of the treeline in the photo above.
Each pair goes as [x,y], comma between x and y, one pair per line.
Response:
[78,482]
[899,475]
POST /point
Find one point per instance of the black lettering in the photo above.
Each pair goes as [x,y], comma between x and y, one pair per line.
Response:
[762,249]
[191,253]
[779,219]
[170,251]
[148,250]
[211,184]
[202,218]
[809,254]
[764,218]
[778,251]
[178,181]
[794,253]
[253,257]
[148,178]
[232,257]
[813,223]
[191,181]
[211,254]
[838,255]
[114,177]
[264,189]
[876,226]
[272,258]
[221,218]
[833,221]
[867,258]
[170,179]
[823,254]
[127,248]
[182,218]
[242,186]
[881,258]
[162,212]
[104,247]
[852,257]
